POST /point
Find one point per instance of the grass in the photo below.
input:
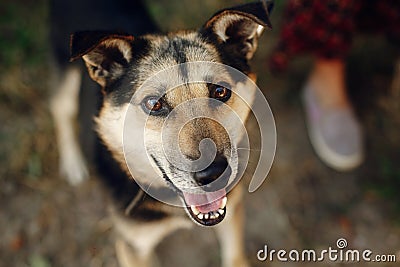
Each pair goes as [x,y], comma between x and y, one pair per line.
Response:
[26,126]
[23,31]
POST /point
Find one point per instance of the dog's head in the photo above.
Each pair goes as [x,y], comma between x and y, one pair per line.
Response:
[185,88]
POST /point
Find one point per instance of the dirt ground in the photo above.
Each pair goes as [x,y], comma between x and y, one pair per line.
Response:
[302,205]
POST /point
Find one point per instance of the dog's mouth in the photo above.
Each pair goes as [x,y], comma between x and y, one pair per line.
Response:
[208,208]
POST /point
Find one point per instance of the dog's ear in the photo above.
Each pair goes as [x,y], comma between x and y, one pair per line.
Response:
[237,29]
[106,54]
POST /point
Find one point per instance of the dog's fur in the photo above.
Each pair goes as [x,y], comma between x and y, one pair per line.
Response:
[68,101]
[120,63]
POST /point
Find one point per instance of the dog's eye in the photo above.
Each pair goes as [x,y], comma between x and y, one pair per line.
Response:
[219,92]
[153,105]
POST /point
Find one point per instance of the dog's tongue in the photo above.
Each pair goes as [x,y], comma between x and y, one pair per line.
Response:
[205,202]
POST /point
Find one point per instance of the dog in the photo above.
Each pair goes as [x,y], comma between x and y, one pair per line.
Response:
[131,149]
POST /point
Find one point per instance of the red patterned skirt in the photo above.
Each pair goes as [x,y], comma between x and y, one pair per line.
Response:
[326,28]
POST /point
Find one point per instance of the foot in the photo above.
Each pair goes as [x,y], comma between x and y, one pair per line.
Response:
[333,128]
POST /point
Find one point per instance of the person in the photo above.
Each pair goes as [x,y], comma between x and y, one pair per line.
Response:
[326,29]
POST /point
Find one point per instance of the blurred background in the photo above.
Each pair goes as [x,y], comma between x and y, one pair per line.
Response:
[303,204]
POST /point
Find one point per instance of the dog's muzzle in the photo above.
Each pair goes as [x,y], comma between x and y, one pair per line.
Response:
[209,207]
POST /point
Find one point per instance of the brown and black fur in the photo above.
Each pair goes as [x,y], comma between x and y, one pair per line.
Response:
[120,63]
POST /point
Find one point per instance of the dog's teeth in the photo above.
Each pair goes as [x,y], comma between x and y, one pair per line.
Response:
[194,210]
[210,215]
[223,202]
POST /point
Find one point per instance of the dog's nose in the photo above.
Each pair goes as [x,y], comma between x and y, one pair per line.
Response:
[218,171]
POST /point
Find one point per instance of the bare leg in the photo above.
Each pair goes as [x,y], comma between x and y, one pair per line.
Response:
[328,82]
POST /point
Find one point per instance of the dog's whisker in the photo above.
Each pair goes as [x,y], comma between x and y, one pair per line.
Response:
[150,184]
[250,149]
